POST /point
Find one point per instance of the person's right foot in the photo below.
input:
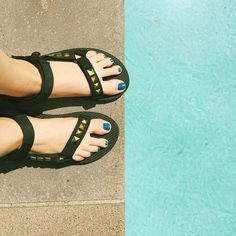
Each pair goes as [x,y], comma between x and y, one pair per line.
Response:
[69,80]
[50,137]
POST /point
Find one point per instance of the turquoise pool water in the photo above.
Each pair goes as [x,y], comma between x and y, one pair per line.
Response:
[181,117]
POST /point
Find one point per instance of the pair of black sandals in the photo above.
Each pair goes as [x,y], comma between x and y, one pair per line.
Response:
[19,108]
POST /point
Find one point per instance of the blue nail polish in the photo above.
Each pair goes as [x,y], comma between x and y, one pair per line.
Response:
[121,86]
[119,69]
[106,143]
[106,126]
[111,60]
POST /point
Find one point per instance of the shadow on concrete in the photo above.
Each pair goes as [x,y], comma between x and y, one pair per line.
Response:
[53,103]
[6,167]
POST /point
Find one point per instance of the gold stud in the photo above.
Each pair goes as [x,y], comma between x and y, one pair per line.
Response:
[75,139]
[94,78]
[78,132]
[61,158]
[96,85]
[84,121]
[98,91]
[58,54]
[91,72]
[81,126]
[48,158]
[33,158]
[40,159]
[66,54]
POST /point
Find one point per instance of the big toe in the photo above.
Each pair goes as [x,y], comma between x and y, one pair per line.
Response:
[99,126]
[114,86]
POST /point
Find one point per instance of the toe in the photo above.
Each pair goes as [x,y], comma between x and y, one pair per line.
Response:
[83,153]
[77,158]
[91,53]
[98,57]
[92,148]
[99,126]
[100,142]
[114,70]
[114,86]
[106,62]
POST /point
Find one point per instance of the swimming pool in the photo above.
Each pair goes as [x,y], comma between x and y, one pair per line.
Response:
[180,117]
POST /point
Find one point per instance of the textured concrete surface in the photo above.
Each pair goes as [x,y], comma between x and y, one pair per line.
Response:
[181,163]
[47,26]
[76,220]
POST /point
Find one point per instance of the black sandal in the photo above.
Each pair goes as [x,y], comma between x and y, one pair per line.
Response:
[40,102]
[65,157]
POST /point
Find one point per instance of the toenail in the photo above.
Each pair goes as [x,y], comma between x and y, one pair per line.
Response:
[106,126]
[106,143]
[104,56]
[98,149]
[119,69]
[111,60]
[121,86]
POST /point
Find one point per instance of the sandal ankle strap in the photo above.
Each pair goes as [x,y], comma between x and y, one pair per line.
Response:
[47,77]
[28,139]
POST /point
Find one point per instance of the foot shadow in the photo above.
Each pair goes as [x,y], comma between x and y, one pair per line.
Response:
[55,103]
[9,104]
[6,167]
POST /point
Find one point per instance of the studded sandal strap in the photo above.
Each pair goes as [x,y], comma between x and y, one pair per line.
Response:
[28,139]
[91,76]
[83,63]
[65,55]
[76,136]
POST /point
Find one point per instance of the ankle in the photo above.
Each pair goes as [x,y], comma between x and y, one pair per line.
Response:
[11,136]
[30,76]
[21,79]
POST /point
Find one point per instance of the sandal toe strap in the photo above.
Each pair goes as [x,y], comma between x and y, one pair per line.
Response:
[91,76]
[76,137]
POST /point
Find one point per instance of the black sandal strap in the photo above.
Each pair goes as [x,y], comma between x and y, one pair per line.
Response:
[46,76]
[76,136]
[91,76]
[83,63]
[47,80]
[28,139]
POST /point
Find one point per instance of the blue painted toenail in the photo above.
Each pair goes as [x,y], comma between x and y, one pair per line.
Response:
[111,60]
[121,86]
[119,69]
[106,126]
[106,143]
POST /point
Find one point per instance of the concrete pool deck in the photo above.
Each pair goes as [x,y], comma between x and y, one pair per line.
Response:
[84,200]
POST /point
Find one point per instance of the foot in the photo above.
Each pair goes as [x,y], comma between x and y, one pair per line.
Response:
[70,81]
[51,138]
